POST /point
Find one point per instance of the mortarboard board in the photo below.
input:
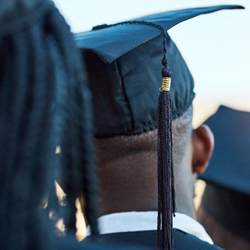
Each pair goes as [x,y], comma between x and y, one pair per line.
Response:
[111,42]
[227,195]
[127,63]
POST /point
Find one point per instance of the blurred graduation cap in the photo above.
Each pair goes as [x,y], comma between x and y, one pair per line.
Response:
[230,163]
[227,195]
[127,64]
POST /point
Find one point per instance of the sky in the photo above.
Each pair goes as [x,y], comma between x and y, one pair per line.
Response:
[216,46]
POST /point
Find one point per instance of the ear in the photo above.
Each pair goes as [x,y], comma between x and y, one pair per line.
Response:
[203,145]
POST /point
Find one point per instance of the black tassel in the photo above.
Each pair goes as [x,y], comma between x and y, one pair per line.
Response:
[166,199]
[166,193]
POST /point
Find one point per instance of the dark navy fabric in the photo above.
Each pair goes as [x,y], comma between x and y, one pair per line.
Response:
[125,92]
[123,65]
[112,42]
[146,240]
[230,163]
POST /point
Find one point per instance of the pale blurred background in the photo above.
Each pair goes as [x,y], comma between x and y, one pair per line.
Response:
[216,47]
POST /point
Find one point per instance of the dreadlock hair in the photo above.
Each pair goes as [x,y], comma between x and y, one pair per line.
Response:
[43,104]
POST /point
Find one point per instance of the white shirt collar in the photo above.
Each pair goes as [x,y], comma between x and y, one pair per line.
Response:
[145,221]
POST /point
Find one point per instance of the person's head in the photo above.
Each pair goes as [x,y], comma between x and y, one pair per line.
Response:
[44,102]
[127,166]
[225,205]
[125,83]
[140,84]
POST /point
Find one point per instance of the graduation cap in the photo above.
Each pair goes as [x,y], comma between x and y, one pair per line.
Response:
[227,195]
[127,64]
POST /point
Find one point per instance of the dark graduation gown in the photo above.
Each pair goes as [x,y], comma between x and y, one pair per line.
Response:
[144,240]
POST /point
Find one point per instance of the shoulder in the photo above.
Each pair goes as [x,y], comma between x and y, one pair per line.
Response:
[146,240]
[184,240]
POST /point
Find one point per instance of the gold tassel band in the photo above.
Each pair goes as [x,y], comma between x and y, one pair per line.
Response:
[166,84]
